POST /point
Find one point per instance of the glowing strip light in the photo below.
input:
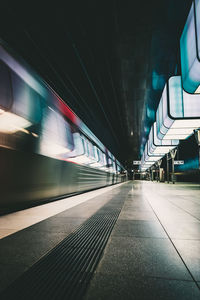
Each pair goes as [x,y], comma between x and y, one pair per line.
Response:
[96,164]
[11,123]
[190,50]
[52,149]
[35,134]
[178,112]
[82,159]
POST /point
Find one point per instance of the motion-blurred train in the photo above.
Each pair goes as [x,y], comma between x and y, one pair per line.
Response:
[46,151]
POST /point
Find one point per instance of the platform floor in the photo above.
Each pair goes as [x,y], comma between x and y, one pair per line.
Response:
[153,251]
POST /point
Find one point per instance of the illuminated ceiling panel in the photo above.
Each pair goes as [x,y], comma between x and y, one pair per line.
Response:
[147,158]
[190,50]
[157,146]
[178,112]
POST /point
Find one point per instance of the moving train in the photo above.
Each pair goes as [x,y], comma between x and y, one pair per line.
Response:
[46,151]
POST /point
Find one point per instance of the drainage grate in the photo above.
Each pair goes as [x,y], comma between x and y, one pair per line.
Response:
[64,273]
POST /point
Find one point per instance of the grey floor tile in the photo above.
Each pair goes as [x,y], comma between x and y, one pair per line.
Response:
[142,257]
[136,199]
[136,207]
[58,224]
[137,215]
[190,252]
[173,218]
[148,229]
[79,212]
[27,246]
[87,209]
[9,273]
[183,230]
[106,287]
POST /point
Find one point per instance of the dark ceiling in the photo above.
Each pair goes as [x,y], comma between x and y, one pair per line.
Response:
[109,60]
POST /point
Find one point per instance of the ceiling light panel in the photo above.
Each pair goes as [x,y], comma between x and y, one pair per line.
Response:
[190,50]
[178,113]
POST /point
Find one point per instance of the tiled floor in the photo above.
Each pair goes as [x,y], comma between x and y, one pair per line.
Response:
[152,253]
[154,249]
[20,250]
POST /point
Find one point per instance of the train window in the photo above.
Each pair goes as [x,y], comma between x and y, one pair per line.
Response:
[8,121]
[53,138]
[101,155]
[109,162]
[87,147]
[114,166]
[5,88]
[78,144]
[97,154]
[91,151]
[97,160]
[26,101]
[118,169]
[80,153]
[24,109]
[104,159]
[69,135]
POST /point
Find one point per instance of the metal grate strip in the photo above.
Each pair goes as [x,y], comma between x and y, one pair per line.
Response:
[64,273]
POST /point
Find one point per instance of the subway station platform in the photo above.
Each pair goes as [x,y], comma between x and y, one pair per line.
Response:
[135,240]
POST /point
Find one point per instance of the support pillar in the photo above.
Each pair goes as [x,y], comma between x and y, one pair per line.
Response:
[168,158]
[173,154]
[197,137]
[159,162]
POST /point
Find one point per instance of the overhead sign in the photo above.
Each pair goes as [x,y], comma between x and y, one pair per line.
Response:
[137,162]
[179,162]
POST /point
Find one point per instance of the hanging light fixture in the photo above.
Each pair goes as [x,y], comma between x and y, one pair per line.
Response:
[147,159]
[178,112]
[157,146]
[190,50]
